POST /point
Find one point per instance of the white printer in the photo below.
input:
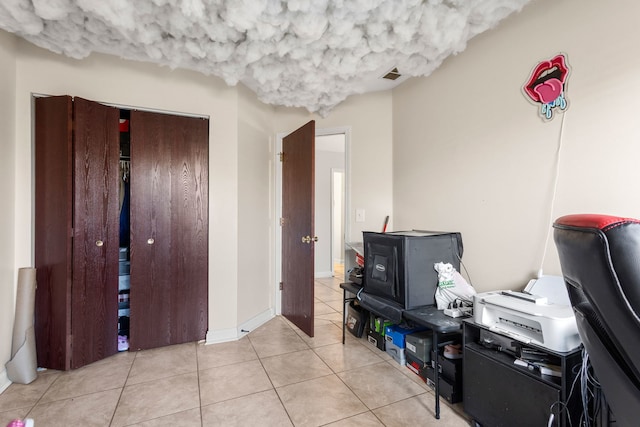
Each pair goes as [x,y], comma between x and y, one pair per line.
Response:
[530,318]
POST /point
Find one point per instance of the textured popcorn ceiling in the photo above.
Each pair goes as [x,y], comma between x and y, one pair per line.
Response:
[300,53]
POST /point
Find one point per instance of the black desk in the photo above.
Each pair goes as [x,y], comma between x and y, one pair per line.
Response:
[353,289]
[427,316]
[435,320]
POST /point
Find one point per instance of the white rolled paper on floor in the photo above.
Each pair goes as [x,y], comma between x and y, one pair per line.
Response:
[22,368]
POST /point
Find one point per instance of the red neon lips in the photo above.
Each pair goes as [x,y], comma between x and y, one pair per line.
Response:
[547,80]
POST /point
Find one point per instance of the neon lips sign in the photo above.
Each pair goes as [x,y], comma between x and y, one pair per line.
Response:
[547,86]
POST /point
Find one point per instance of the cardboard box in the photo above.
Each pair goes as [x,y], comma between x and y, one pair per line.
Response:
[451,369]
[378,324]
[397,334]
[413,363]
[376,339]
[451,391]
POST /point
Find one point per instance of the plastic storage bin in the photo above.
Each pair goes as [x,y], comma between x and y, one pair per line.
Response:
[419,345]
[395,352]
[396,334]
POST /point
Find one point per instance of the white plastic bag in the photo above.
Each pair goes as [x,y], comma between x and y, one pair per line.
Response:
[452,287]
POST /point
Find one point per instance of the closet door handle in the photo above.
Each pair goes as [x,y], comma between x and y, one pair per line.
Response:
[150,241]
[99,243]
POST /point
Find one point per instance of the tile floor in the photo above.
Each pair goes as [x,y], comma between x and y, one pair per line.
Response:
[274,376]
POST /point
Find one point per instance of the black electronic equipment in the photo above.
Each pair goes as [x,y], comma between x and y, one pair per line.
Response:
[399,266]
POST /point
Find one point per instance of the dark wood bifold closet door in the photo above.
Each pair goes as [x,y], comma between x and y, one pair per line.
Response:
[94,298]
[169,228]
[76,231]
[53,207]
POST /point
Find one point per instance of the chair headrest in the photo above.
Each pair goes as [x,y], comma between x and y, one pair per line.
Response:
[598,221]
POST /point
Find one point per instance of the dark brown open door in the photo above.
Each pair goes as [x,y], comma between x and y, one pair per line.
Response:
[94,296]
[169,229]
[298,170]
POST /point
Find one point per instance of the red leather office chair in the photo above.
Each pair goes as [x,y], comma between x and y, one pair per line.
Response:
[600,261]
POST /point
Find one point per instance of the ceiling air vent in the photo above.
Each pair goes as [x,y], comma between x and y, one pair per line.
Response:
[392,75]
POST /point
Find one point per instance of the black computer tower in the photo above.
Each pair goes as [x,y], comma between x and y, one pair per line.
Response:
[399,266]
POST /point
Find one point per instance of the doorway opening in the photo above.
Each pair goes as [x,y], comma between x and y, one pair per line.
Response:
[329,204]
[337,223]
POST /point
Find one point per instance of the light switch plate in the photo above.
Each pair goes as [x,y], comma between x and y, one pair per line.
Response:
[360,215]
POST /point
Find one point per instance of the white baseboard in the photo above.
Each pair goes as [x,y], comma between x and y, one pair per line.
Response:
[256,322]
[4,380]
[221,335]
[322,274]
[233,334]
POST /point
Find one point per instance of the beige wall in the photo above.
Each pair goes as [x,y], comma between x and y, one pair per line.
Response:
[256,288]
[8,271]
[369,153]
[471,155]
